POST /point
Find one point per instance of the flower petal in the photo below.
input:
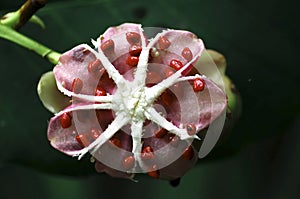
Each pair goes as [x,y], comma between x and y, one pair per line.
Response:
[82,120]
[74,65]
[116,41]
[122,46]
[182,105]
[179,45]
[198,108]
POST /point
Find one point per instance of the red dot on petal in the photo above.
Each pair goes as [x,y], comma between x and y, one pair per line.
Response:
[128,162]
[95,133]
[174,140]
[167,98]
[132,61]
[154,172]
[65,120]
[108,47]
[133,37]
[100,91]
[169,72]
[188,154]
[187,54]
[94,66]
[115,142]
[135,50]
[147,153]
[160,133]
[163,43]
[176,64]
[82,140]
[77,85]
[153,78]
[147,149]
[198,85]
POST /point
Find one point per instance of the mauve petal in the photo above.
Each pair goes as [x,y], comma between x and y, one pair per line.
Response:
[117,34]
[84,118]
[182,105]
[74,64]
[179,40]
[198,108]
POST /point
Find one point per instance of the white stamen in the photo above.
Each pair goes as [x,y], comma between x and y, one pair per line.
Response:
[154,116]
[116,125]
[111,70]
[89,98]
[87,107]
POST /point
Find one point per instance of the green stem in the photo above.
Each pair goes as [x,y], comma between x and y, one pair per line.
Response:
[16,37]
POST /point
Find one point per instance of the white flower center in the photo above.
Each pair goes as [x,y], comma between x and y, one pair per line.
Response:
[133,104]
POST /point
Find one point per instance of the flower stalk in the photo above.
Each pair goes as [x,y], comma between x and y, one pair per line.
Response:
[22,40]
[15,20]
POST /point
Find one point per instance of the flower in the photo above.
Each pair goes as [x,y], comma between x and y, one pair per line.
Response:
[137,104]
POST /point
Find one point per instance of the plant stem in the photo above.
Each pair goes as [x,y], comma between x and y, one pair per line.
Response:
[27,11]
[16,37]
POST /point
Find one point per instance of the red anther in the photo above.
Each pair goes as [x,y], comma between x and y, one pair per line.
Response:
[187,54]
[100,91]
[95,133]
[154,172]
[191,129]
[164,43]
[198,85]
[147,149]
[133,38]
[65,120]
[176,89]
[115,142]
[132,61]
[94,66]
[135,50]
[174,140]
[147,153]
[147,156]
[169,72]
[82,140]
[160,133]
[77,85]
[153,78]
[108,46]
[176,64]
[188,154]
[167,98]
[128,162]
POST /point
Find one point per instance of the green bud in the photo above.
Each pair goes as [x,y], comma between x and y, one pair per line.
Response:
[50,96]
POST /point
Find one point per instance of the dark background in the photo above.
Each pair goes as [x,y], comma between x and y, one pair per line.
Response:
[260,40]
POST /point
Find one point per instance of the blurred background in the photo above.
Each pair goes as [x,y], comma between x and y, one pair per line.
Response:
[260,159]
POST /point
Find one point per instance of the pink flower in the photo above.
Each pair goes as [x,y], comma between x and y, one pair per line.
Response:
[137,104]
